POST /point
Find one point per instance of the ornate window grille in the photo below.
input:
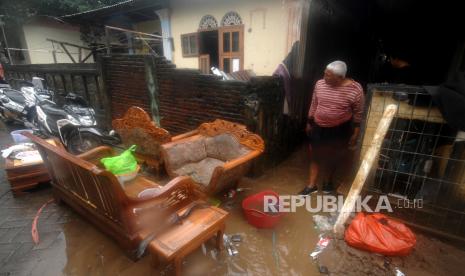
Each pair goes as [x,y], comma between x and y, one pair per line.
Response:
[208,22]
[231,18]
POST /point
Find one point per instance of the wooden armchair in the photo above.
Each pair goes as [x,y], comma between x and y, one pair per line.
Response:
[137,128]
[131,213]
[216,155]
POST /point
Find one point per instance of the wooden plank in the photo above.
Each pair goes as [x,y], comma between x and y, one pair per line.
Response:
[87,57]
[98,92]
[67,43]
[153,88]
[63,82]
[364,169]
[70,68]
[104,95]
[67,52]
[73,89]
[86,89]
[107,41]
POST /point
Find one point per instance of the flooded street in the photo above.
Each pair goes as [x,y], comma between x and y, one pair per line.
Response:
[69,245]
[83,250]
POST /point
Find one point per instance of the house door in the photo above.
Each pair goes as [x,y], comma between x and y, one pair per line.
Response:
[204,64]
[208,50]
[231,48]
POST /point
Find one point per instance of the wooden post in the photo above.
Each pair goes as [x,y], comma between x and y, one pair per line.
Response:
[365,168]
[87,57]
[103,92]
[54,53]
[152,87]
[63,46]
[107,40]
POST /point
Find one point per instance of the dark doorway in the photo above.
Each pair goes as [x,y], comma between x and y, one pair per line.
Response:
[208,50]
[368,34]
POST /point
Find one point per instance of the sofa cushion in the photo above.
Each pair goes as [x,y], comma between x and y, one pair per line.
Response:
[190,151]
[201,172]
[224,147]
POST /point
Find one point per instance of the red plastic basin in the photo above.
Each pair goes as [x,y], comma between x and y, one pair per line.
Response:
[253,207]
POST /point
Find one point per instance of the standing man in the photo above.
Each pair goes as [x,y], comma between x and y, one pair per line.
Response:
[333,123]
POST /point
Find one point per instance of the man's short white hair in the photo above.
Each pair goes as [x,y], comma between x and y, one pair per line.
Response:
[338,67]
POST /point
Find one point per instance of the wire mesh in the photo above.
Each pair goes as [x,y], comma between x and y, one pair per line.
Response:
[422,158]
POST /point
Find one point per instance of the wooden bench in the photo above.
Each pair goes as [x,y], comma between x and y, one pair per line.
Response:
[131,213]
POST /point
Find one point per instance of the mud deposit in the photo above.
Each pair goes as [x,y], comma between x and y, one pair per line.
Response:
[429,257]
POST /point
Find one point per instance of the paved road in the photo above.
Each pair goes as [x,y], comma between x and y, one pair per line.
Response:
[18,254]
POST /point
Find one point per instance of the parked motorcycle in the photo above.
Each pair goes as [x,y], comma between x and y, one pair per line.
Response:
[16,106]
[74,123]
[19,105]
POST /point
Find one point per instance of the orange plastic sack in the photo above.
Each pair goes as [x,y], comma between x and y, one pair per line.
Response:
[380,234]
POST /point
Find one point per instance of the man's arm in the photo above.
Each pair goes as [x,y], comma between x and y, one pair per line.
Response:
[357,111]
[311,113]
[313,106]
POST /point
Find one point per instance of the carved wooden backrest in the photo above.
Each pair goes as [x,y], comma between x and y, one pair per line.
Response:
[137,128]
[244,137]
[90,185]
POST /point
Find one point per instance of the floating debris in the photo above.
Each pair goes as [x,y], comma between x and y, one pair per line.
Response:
[398,272]
[320,246]
[323,223]
[236,238]
[232,250]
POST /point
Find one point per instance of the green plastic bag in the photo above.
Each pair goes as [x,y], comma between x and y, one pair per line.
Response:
[121,164]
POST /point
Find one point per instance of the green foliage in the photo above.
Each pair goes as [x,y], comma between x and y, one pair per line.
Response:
[19,10]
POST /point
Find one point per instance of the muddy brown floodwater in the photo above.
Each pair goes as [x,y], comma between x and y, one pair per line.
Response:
[83,250]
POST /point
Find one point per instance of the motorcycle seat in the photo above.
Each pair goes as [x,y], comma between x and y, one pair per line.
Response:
[49,109]
[15,96]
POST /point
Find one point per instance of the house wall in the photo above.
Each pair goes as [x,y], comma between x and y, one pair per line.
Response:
[149,26]
[36,33]
[265,29]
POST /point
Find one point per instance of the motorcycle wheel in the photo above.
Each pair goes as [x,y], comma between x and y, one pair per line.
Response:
[81,142]
[5,119]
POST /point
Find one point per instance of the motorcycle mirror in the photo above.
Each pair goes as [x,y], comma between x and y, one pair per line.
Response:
[38,82]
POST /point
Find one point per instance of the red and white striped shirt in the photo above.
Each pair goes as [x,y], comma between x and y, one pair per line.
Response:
[332,106]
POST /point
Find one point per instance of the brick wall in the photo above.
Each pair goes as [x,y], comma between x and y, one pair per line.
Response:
[124,79]
[188,98]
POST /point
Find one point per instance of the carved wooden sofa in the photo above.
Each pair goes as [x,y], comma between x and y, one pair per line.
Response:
[137,128]
[216,155]
[131,213]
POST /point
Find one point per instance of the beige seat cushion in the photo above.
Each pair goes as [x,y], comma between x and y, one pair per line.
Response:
[224,147]
[191,151]
[201,172]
